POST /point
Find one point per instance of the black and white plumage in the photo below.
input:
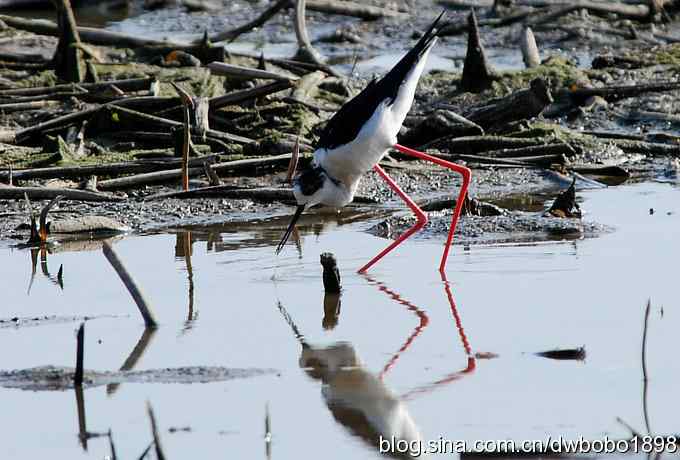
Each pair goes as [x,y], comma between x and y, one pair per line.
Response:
[357,137]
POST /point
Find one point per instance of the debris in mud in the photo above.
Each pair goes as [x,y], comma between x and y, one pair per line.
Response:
[331,274]
[565,204]
[54,378]
[511,227]
[17,322]
[577,354]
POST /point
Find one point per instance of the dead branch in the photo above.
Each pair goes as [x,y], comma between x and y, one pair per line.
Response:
[80,356]
[229,70]
[131,285]
[174,174]
[44,193]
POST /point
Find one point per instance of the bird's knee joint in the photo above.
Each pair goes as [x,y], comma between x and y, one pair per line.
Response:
[422,219]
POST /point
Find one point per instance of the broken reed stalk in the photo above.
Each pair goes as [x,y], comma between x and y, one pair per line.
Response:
[644,366]
[267,432]
[477,74]
[305,52]
[188,106]
[112,447]
[331,274]
[43,217]
[80,356]
[154,430]
[131,285]
[68,57]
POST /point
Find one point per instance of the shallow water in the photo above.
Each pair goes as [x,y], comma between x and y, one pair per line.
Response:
[511,300]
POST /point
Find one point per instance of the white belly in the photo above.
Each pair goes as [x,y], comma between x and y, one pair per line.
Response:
[348,162]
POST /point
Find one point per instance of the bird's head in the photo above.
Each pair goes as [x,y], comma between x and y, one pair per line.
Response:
[310,187]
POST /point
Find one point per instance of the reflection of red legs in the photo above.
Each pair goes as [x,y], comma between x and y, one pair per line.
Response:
[424,321]
[459,325]
[422,218]
[471,362]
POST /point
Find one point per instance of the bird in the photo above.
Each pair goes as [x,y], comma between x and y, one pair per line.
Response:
[359,135]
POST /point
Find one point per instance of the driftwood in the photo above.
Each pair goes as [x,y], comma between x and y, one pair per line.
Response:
[174,174]
[477,74]
[614,93]
[438,124]
[520,105]
[135,118]
[44,193]
[128,85]
[644,115]
[475,144]
[91,35]
[647,148]
[111,169]
[462,27]
[349,8]
[221,68]
[560,148]
[532,161]
[639,11]
[251,93]
[266,194]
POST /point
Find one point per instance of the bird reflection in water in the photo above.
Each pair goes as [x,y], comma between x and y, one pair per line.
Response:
[358,398]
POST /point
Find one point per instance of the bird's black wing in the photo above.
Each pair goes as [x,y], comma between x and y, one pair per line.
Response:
[345,125]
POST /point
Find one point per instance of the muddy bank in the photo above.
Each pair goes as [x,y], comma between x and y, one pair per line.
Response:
[119,134]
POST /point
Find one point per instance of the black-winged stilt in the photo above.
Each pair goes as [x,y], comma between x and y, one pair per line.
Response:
[358,136]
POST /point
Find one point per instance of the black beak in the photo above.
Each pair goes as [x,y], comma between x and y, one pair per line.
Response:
[291,226]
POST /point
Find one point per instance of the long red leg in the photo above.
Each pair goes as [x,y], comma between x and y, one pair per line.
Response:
[422,218]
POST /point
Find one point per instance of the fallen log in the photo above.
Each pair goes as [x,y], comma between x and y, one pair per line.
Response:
[174,174]
[438,124]
[560,148]
[357,10]
[615,93]
[266,194]
[248,94]
[135,118]
[224,69]
[127,85]
[475,144]
[45,193]
[112,169]
[520,105]
[91,35]
[647,148]
[639,11]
